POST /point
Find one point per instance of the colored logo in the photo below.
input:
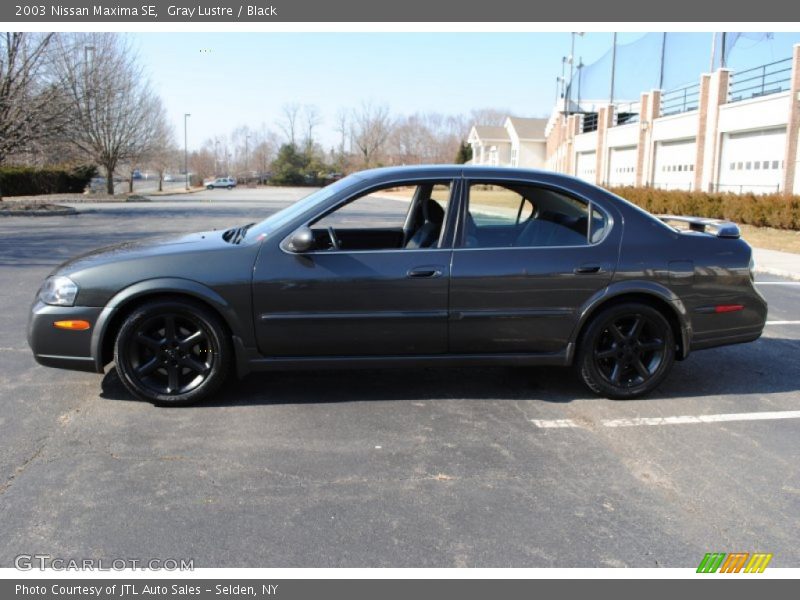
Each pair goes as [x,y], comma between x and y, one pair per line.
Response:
[736,562]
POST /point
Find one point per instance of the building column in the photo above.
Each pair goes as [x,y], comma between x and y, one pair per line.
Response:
[572,130]
[604,116]
[791,155]
[649,151]
[717,95]
[702,126]
[645,126]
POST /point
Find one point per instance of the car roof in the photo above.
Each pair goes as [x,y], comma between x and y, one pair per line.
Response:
[424,171]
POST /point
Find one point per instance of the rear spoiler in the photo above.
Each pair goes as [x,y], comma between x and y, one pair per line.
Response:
[717,227]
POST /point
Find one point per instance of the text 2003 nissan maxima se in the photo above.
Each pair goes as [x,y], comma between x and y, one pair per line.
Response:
[445,265]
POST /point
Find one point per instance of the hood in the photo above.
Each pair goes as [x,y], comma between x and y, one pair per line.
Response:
[144,248]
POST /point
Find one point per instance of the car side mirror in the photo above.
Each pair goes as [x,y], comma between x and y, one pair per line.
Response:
[301,240]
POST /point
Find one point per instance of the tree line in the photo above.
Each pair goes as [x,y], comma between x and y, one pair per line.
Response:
[78,98]
[366,136]
[69,99]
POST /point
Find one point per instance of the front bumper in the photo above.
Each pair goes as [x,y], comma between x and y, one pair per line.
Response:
[62,348]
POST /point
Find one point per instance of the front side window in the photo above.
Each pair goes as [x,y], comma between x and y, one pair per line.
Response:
[513,216]
[390,218]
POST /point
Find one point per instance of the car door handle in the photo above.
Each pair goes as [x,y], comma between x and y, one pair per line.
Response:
[425,272]
[587,269]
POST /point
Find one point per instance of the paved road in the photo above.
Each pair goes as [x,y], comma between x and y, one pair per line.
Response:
[430,467]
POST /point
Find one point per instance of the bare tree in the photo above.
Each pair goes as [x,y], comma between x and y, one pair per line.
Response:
[311,118]
[291,112]
[343,129]
[31,101]
[264,150]
[370,130]
[156,150]
[202,162]
[111,102]
[488,116]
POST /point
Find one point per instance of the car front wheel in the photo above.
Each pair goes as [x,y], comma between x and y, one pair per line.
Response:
[626,351]
[209,187]
[172,352]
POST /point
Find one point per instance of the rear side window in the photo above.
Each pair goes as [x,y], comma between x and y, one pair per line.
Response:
[524,216]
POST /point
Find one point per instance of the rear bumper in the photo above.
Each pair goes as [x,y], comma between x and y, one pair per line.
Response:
[712,329]
[62,348]
[734,337]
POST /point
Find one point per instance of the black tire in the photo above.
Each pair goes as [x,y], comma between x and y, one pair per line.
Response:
[626,351]
[209,187]
[230,187]
[172,352]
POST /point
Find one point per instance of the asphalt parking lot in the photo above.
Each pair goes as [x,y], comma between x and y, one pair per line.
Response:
[404,468]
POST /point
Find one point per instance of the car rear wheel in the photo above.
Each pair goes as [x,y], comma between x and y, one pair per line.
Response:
[230,187]
[172,352]
[626,351]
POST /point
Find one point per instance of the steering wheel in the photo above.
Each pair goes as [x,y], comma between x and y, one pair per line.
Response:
[334,240]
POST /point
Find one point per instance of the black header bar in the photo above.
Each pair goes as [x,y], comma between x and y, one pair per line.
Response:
[440,11]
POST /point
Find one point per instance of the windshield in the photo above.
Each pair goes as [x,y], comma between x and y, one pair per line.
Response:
[280,218]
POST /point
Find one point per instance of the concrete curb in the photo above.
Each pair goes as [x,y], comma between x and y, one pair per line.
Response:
[778,273]
[176,192]
[777,263]
[58,211]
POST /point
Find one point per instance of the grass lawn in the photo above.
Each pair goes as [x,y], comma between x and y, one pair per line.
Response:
[771,239]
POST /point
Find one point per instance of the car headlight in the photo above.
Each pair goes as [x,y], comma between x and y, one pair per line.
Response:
[58,291]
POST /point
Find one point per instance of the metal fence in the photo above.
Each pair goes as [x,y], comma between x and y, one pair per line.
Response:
[680,100]
[673,185]
[625,113]
[588,122]
[737,188]
[771,78]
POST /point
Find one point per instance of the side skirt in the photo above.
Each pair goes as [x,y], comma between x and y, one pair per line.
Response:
[247,362]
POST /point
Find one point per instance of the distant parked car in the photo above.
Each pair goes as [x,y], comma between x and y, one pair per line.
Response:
[222,182]
[169,178]
[137,174]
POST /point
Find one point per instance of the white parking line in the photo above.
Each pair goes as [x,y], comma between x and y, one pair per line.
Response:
[678,420]
[783,322]
[777,282]
[554,423]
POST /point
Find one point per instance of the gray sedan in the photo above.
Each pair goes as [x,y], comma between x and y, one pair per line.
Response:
[440,265]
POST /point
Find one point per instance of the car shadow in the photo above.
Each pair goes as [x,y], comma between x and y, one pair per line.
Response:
[766,366]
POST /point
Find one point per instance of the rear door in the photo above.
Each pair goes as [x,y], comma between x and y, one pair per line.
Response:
[528,257]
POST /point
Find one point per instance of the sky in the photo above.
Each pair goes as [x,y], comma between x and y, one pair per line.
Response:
[225,80]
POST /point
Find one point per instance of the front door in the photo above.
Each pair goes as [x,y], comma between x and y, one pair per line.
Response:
[376,282]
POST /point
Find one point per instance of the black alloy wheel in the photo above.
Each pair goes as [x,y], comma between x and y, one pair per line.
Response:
[172,352]
[626,351]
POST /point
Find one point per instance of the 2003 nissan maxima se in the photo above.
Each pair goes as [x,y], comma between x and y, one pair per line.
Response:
[444,265]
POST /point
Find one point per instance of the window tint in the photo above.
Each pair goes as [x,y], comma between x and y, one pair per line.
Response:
[511,216]
[379,209]
[398,217]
